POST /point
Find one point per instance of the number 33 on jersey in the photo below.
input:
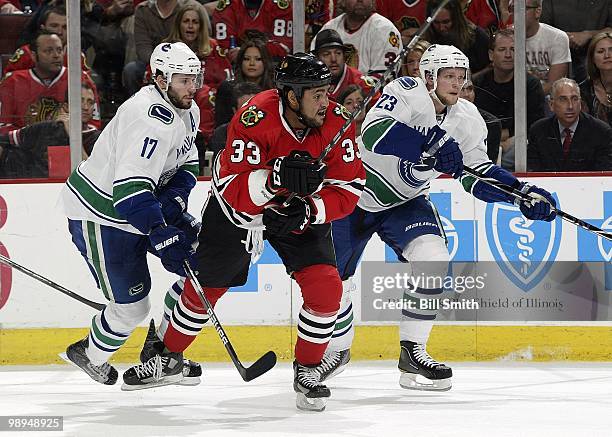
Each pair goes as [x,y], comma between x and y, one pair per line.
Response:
[258,133]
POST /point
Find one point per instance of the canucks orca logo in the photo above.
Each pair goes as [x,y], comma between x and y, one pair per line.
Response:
[161,113]
[523,248]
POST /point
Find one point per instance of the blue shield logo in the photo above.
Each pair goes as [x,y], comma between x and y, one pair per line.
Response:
[524,249]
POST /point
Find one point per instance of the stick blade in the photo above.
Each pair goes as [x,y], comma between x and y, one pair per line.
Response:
[259,367]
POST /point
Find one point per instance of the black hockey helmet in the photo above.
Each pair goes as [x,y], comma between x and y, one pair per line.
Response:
[299,72]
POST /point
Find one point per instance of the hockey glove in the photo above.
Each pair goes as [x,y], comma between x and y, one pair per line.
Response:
[172,204]
[172,247]
[190,226]
[297,173]
[445,150]
[540,207]
[284,219]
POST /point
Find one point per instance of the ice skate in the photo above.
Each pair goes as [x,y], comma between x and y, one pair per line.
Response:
[333,363]
[311,393]
[192,371]
[76,355]
[420,371]
[159,370]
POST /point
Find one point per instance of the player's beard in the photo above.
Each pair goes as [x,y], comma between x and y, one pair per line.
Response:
[176,101]
[311,122]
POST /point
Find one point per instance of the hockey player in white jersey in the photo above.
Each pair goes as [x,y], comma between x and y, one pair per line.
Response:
[129,198]
[418,129]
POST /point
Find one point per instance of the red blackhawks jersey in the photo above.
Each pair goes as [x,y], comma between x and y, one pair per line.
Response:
[205,99]
[22,59]
[26,99]
[403,13]
[257,134]
[350,76]
[274,18]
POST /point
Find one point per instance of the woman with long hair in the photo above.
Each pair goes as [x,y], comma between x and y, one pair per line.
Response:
[191,26]
[596,90]
[453,28]
[253,64]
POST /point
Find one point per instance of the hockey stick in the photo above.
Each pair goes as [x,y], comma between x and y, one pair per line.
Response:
[50,283]
[380,83]
[522,196]
[259,367]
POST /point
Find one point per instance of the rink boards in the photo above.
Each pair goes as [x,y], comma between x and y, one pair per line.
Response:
[33,232]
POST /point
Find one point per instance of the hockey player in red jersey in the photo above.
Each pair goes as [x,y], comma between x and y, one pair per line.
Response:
[270,150]
[30,96]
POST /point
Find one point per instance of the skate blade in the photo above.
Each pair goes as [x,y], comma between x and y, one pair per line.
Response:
[64,357]
[190,381]
[309,404]
[167,380]
[411,381]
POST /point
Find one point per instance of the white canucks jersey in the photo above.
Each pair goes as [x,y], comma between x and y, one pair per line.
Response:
[377,42]
[139,150]
[401,118]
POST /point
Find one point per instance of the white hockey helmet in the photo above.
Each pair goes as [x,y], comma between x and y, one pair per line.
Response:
[172,58]
[439,56]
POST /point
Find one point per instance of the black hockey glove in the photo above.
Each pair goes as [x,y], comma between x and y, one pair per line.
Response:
[539,207]
[284,219]
[172,247]
[445,151]
[297,173]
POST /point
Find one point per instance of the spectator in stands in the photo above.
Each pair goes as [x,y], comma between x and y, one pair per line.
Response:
[596,90]
[581,23]
[407,16]
[494,127]
[23,152]
[152,24]
[451,27]
[7,7]
[191,27]
[495,92]
[232,19]
[483,13]
[569,140]
[351,97]
[410,66]
[548,52]
[30,96]
[52,20]
[330,49]
[240,92]
[374,40]
[253,64]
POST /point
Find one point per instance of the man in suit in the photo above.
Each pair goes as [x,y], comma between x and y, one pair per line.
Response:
[569,140]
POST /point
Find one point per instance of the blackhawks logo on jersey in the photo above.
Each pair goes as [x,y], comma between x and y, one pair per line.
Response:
[222,4]
[252,116]
[17,55]
[394,40]
[341,111]
[369,81]
[282,4]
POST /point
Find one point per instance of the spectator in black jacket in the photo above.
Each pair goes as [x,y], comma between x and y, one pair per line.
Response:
[569,140]
[495,92]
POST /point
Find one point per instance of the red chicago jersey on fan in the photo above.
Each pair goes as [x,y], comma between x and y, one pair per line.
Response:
[25,99]
[205,99]
[350,76]
[233,18]
[23,59]
[257,134]
[217,67]
[398,11]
